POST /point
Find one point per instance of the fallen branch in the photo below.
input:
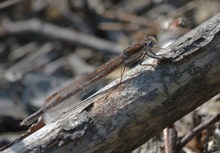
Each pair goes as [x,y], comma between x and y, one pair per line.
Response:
[123,117]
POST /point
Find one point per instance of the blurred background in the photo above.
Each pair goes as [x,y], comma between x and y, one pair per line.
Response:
[45,44]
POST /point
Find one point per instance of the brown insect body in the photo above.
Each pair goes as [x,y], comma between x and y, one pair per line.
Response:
[133,49]
[130,54]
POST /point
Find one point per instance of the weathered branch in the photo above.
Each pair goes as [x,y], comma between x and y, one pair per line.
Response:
[148,100]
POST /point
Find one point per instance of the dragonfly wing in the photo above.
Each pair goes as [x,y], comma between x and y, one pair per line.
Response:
[74,102]
[61,109]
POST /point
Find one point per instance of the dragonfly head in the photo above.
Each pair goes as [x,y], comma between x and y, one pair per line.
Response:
[150,41]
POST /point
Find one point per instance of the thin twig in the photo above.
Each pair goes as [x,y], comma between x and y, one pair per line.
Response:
[8,3]
[38,27]
[197,130]
[170,139]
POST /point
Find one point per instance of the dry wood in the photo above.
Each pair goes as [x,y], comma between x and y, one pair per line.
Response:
[148,100]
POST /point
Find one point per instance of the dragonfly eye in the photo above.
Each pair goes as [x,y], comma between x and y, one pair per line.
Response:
[150,44]
[149,41]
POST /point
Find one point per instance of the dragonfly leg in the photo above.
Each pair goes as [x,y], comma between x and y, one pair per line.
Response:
[142,59]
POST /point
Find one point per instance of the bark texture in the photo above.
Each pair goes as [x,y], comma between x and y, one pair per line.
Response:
[121,118]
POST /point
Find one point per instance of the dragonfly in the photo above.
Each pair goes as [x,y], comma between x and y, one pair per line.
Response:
[131,54]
